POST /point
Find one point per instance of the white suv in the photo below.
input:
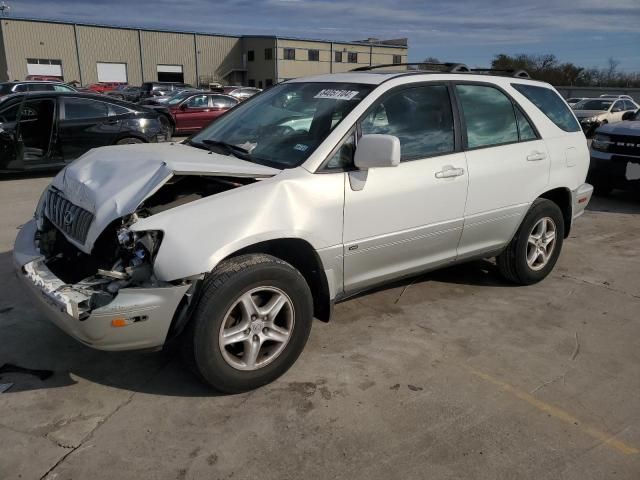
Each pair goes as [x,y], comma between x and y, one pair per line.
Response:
[304,195]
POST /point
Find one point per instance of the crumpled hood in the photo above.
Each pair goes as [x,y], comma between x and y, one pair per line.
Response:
[111,182]
[628,127]
[588,113]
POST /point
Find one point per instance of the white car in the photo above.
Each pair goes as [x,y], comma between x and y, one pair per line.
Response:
[232,241]
[593,112]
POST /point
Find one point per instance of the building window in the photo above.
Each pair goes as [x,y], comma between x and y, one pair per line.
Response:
[314,55]
[353,57]
[338,57]
[251,55]
[268,53]
[289,53]
[252,82]
[268,83]
[397,59]
[259,83]
[44,66]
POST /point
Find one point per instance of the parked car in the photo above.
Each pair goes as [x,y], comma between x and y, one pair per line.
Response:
[7,88]
[241,93]
[47,130]
[47,78]
[615,155]
[103,87]
[161,100]
[153,89]
[190,112]
[232,241]
[126,92]
[594,112]
[573,100]
[608,95]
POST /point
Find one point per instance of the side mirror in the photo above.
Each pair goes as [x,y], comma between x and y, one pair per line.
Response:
[183,106]
[628,115]
[377,151]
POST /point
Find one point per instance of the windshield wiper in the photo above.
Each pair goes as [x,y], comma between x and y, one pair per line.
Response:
[230,148]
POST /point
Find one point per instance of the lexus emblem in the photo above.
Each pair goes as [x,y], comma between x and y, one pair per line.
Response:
[68,218]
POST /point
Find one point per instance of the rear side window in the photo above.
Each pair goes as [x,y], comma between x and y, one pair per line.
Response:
[525,130]
[82,108]
[489,116]
[40,87]
[420,117]
[221,101]
[549,103]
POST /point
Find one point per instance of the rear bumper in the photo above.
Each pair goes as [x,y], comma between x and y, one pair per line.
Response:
[580,199]
[148,311]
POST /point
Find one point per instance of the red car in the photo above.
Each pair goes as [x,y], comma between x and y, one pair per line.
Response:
[191,111]
[103,86]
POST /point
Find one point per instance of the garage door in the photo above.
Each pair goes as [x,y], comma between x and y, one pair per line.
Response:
[170,73]
[112,72]
[42,66]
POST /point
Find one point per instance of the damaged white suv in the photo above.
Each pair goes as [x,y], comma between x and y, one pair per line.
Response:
[316,189]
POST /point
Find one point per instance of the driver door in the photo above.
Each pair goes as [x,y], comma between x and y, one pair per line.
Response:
[35,132]
[193,114]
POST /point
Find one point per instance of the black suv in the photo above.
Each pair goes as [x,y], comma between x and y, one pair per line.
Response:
[7,88]
[46,130]
[154,89]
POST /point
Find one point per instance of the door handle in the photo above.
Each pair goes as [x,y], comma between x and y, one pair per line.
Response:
[536,156]
[449,171]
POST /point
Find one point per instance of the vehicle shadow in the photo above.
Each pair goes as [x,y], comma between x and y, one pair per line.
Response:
[49,173]
[619,201]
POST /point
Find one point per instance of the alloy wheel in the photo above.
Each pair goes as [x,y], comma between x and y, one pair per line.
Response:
[541,243]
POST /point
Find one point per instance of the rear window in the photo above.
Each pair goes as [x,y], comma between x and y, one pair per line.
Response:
[550,103]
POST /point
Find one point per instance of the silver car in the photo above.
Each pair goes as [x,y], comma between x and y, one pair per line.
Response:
[315,190]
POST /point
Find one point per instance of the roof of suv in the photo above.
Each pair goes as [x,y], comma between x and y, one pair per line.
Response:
[376,77]
[18,82]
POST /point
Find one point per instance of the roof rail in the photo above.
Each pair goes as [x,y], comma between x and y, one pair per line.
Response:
[448,68]
[512,73]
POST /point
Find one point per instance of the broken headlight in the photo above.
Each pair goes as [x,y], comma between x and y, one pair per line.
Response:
[601,142]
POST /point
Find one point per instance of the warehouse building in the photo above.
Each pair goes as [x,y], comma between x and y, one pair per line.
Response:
[96,53]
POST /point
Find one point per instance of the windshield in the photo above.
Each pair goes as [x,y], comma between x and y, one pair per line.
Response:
[282,126]
[593,105]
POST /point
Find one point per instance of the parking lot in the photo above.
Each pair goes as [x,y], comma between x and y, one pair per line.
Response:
[453,374]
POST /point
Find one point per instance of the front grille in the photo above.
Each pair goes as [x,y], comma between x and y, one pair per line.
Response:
[67,217]
[624,145]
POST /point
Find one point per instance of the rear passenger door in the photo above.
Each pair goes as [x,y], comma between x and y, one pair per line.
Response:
[85,123]
[508,166]
[402,220]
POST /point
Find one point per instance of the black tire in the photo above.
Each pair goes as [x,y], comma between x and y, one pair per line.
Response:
[220,291]
[512,262]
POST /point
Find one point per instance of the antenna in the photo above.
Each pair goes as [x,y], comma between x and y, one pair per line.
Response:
[4,9]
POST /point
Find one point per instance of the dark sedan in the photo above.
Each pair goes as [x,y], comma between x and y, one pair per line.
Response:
[125,92]
[615,155]
[50,129]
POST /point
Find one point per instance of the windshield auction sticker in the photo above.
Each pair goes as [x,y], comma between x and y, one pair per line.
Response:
[336,94]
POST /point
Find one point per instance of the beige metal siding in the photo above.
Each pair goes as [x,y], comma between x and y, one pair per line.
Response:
[164,48]
[260,69]
[108,45]
[3,60]
[301,66]
[25,39]
[218,56]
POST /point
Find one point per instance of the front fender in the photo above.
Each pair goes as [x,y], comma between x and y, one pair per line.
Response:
[293,204]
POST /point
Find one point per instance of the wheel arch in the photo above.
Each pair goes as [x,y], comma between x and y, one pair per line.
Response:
[562,197]
[303,257]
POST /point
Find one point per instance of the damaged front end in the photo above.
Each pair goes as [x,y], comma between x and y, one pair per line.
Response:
[93,294]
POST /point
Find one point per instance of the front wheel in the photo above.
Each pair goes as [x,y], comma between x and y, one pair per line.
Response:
[535,248]
[251,323]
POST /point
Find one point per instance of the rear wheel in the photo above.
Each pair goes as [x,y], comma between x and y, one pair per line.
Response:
[251,323]
[535,248]
[167,126]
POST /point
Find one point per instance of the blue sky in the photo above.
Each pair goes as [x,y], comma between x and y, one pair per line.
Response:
[586,32]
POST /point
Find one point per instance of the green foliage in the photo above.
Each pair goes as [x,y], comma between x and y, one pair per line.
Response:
[547,68]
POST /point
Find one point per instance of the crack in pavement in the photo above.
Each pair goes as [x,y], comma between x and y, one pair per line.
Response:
[102,422]
[601,285]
